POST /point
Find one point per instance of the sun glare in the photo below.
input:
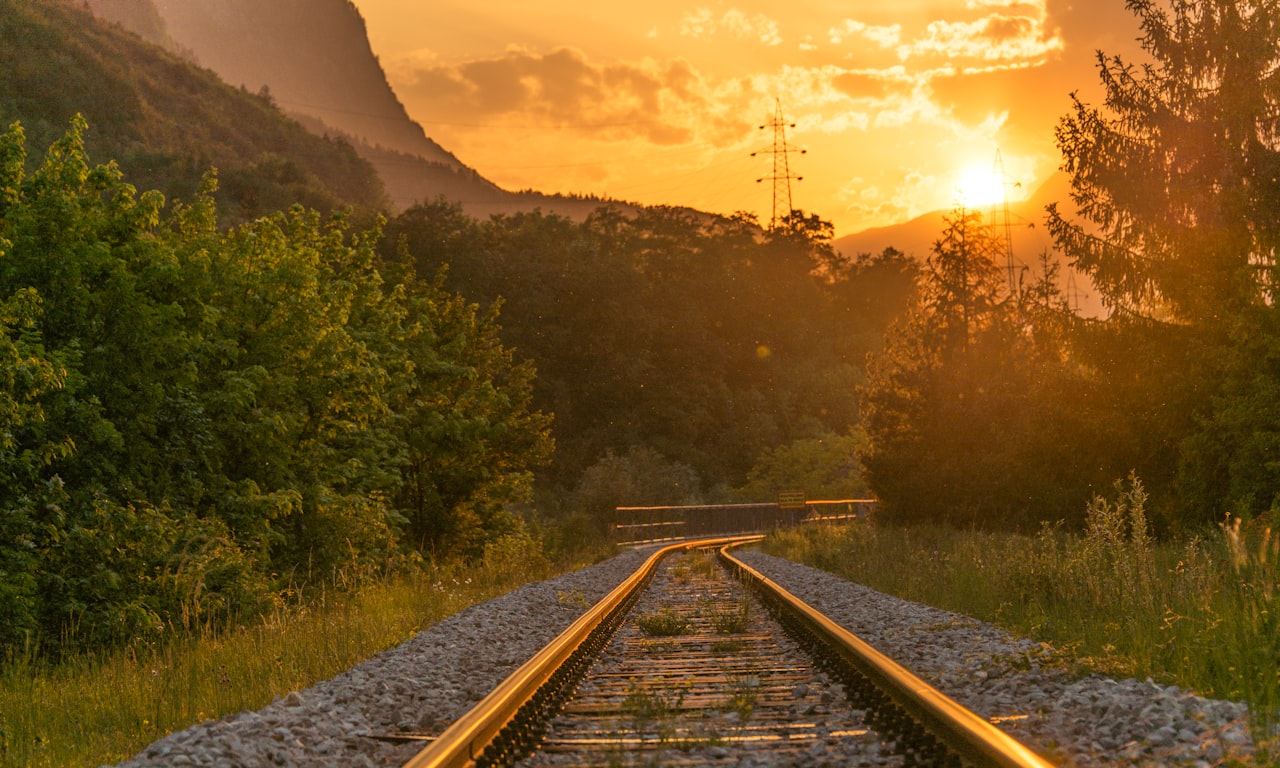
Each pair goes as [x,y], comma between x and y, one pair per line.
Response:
[978,186]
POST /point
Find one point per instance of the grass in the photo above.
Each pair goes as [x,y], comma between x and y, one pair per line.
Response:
[664,623]
[104,708]
[743,693]
[733,621]
[1201,614]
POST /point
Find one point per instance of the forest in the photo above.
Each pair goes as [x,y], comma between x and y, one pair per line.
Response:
[204,419]
[214,404]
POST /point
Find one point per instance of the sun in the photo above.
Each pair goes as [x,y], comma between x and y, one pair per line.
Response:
[977,186]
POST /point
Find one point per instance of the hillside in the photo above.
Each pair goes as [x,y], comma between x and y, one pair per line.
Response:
[314,58]
[164,120]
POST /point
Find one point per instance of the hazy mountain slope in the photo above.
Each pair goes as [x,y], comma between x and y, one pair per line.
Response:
[164,120]
[314,58]
[139,16]
[1027,231]
[916,237]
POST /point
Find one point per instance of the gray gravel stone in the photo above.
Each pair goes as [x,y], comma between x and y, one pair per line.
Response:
[1090,721]
[432,679]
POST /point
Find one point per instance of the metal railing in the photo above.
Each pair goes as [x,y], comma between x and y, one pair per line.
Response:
[634,526]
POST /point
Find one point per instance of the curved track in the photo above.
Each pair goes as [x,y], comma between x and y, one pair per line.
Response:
[682,664]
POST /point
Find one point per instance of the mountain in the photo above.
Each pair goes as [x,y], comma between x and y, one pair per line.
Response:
[314,60]
[164,120]
[916,237]
[1027,232]
[313,56]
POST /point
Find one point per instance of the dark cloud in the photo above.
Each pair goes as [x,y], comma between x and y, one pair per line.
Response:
[973,96]
[1087,26]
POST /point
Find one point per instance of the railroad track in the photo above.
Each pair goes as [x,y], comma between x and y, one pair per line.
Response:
[698,659]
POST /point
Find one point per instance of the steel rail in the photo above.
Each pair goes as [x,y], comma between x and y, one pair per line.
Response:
[466,740]
[969,736]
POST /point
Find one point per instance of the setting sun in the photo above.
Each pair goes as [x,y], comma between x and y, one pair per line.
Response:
[977,186]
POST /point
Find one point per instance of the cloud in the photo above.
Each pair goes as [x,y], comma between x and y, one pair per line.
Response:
[994,38]
[649,99]
[873,84]
[883,36]
[702,23]
[1026,5]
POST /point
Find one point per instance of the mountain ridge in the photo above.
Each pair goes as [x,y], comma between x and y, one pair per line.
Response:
[163,120]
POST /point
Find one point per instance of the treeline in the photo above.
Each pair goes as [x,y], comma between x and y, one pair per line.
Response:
[672,344]
[994,406]
[197,420]
[982,409]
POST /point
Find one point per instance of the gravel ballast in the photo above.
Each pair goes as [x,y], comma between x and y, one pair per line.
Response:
[1091,721]
[424,684]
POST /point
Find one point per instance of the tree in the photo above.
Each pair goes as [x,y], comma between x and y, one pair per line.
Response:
[926,406]
[961,284]
[194,420]
[471,434]
[971,408]
[824,467]
[1179,176]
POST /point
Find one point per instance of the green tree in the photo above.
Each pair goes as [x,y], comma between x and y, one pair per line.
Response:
[96,356]
[27,378]
[472,437]
[1178,174]
[641,477]
[825,467]
[193,419]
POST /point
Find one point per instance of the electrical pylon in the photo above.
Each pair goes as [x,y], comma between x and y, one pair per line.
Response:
[1000,218]
[781,176]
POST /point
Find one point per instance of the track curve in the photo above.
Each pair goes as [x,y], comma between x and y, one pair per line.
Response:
[880,704]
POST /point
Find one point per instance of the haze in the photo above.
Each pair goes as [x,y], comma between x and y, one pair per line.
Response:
[901,107]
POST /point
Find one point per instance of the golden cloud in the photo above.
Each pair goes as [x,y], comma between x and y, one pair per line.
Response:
[703,23]
[997,37]
[562,88]
[883,36]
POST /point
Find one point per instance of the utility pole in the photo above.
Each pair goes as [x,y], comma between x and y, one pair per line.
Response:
[781,176]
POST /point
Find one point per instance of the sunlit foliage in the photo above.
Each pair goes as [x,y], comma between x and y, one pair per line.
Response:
[199,421]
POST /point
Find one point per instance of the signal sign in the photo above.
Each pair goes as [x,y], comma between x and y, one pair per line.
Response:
[791,499]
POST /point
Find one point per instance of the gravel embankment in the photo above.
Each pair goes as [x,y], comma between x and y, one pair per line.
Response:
[427,682]
[1087,722]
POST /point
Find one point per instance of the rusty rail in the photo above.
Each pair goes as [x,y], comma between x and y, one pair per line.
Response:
[482,732]
[475,732]
[975,740]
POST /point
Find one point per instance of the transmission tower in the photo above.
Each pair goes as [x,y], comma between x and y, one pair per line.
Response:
[1000,218]
[781,176]
[1073,293]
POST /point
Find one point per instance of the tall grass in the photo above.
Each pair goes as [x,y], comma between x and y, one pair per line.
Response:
[1202,614]
[104,708]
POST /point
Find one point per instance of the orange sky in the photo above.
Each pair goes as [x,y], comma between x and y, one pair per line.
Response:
[660,102]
